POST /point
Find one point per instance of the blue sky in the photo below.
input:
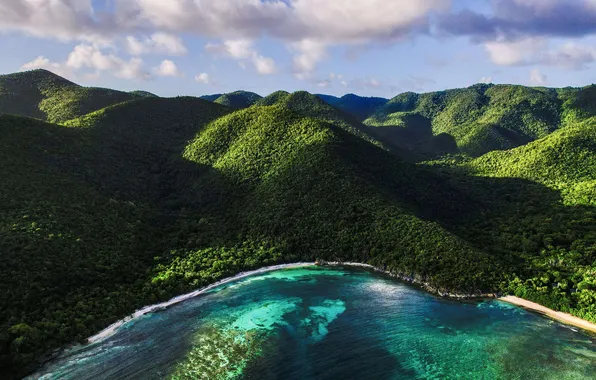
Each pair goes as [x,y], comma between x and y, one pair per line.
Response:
[367,47]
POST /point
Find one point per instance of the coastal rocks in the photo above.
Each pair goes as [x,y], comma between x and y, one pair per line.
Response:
[417,280]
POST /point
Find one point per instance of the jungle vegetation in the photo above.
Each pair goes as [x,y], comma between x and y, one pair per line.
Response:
[108,204]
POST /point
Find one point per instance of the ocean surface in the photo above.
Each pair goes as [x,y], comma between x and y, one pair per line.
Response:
[332,323]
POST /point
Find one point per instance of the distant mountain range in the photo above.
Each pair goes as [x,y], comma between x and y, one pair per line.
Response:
[112,200]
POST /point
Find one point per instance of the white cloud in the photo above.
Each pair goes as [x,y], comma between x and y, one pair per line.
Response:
[332,21]
[537,78]
[263,65]
[537,51]
[157,43]
[364,83]
[60,19]
[92,57]
[571,55]
[88,57]
[486,79]
[372,82]
[42,62]
[240,49]
[167,68]
[243,50]
[203,78]
[308,26]
[309,53]
[324,83]
[515,53]
[340,21]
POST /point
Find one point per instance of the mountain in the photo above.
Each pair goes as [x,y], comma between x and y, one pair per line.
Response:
[273,98]
[480,118]
[413,140]
[44,95]
[211,98]
[564,160]
[309,105]
[357,106]
[63,244]
[146,199]
[143,94]
[132,145]
[308,189]
[236,99]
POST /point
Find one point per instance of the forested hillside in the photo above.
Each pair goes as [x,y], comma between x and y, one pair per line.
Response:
[236,99]
[43,95]
[142,200]
[564,160]
[482,118]
[359,107]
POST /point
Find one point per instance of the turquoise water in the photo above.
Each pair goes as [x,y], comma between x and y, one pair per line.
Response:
[332,323]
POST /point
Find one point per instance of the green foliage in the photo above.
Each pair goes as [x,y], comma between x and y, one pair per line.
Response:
[143,94]
[43,95]
[273,98]
[21,93]
[238,99]
[211,98]
[483,118]
[313,106]
[149,198]
[564,160]
[70,103]
[359,107]
[310,187]
[70,256]
[548,229]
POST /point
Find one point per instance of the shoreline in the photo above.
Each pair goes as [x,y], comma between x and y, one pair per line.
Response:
[113,328]
[558,316]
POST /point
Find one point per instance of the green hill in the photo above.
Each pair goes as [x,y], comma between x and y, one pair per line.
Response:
[273,98]
[358,106]
[133,145]
[238,99]
[67,250]
[211,98]
[308,189]
[547,219]
[143,94]
[481,118]
[44,95]
[564,160]
[309,105]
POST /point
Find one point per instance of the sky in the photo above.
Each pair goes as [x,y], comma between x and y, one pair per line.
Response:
[366,47]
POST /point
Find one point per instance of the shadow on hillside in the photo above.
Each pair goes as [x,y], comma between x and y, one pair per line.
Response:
[414,141]
[505,217]
[510,219]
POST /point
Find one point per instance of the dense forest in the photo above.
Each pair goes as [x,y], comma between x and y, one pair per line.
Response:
[113,200]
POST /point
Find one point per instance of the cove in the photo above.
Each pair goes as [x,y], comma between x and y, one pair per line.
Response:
[331,323]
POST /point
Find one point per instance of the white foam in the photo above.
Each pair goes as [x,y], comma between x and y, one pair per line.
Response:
[113,328]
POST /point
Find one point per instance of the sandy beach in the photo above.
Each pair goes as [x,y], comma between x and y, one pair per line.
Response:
[565,318]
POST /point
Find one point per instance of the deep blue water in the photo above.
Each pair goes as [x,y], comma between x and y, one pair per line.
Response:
[333,323]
